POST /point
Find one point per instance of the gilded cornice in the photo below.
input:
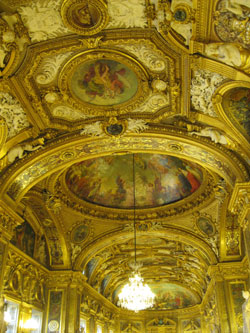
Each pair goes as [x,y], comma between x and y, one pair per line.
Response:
[199,62]
[66,279]
[202,25]
[229,271]
[9,220]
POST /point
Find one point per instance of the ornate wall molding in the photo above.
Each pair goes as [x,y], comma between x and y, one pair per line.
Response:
[23,279]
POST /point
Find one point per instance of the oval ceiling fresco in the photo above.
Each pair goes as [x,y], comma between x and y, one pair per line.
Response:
[108,181]
[104,82]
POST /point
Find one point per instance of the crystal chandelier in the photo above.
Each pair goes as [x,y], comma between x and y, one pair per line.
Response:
[136,295]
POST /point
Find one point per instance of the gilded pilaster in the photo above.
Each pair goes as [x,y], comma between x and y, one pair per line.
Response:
[25,312]
[64,289]
[218,278]
[9,220]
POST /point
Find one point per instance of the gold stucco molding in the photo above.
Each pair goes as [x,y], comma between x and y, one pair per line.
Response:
[239,203]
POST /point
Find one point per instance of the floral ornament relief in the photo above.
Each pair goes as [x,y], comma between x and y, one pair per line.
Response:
[49,68]
[203,85]
[132,126]
[127,14]
[43,20]
[13,113]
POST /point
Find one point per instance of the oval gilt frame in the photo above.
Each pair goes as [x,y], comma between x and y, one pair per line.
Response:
[92,57]
[85,17]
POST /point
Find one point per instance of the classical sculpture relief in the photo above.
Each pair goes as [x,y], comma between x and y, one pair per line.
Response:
[131,126]
[215,135]
[13,113]
[13,38]
[68,113]
[152,59]
[237,6]
[178,15]
[20,150]
[203,86]
[233,22]
[246,311]
[230,54]
[49,68]
[127,14]
[43,20]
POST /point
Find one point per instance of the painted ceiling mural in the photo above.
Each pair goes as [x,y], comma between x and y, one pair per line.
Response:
[159,179]
[173,296]
[104,82]
[158,256]
[84,84]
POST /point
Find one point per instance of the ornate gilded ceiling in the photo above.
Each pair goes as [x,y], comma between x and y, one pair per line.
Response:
[83,87]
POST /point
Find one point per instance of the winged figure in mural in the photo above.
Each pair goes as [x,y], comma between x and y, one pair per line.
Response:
[102,80]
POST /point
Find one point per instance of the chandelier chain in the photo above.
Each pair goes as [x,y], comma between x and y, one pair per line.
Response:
[134,206]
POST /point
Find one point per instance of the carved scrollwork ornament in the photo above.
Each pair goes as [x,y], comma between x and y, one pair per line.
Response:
[8,223]
[114,127]
[85,17]
[13,38]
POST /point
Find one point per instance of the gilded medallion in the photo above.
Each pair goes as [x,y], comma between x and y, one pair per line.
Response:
[85,17]
[97,82]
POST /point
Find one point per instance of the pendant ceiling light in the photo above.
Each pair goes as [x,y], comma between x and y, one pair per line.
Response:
[136,295]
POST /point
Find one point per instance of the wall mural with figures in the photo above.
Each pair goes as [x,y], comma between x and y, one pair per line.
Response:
[24,238]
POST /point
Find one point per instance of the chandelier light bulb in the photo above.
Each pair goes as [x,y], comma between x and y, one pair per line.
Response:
[136,295]
[31,324]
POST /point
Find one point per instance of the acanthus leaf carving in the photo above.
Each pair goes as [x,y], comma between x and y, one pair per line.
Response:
[203,86]
[49,68]
[43,20]
[13,113]
[127,14]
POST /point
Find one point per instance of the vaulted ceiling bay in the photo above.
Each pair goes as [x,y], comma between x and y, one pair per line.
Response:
[124,139]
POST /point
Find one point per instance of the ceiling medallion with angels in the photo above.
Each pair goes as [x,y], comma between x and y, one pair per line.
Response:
[97,83]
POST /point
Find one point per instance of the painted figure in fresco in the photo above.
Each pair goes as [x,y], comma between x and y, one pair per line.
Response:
[246,312]
[205,226]
[100,80]
[160,180]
